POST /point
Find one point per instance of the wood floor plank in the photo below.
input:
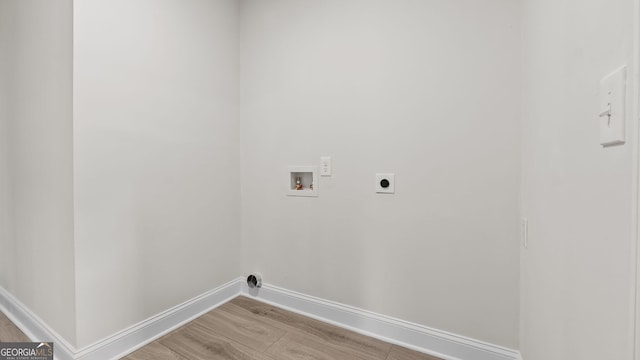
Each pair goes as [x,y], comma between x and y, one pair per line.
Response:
[363,346]
[4,320]
[295,346]
[197,342]
[245,329]
[253,333]
[154,351]
[400,353]
[9,332]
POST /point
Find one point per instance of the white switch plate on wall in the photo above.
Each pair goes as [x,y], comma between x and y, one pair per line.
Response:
[612,108]
[325,166]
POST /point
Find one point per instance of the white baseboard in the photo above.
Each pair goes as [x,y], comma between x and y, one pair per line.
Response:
[125,341]
[34,327]
[427,340]
[133,338]
[434,342]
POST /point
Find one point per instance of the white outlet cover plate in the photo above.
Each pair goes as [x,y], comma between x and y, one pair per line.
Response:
[613,90]
[391,189]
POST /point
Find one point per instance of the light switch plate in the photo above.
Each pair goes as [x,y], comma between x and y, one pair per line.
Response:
[325,166]
[612,108]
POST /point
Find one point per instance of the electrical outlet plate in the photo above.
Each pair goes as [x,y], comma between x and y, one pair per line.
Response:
[391,188]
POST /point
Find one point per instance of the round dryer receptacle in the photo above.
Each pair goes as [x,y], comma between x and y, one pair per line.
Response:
[254,280]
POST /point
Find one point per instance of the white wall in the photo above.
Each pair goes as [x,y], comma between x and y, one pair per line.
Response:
[436,83]
[6,241]
[426,89]
[576,195]
[36,186]
[156,157]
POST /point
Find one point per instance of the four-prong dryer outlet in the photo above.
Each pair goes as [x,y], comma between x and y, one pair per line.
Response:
[385,183]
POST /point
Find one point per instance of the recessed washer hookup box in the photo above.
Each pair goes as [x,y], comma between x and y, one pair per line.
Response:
[26,351]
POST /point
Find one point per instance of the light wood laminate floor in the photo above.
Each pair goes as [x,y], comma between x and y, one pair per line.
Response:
[245,329]
[10,332]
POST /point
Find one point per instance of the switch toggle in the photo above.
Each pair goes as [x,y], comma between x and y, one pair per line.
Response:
[612,108]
